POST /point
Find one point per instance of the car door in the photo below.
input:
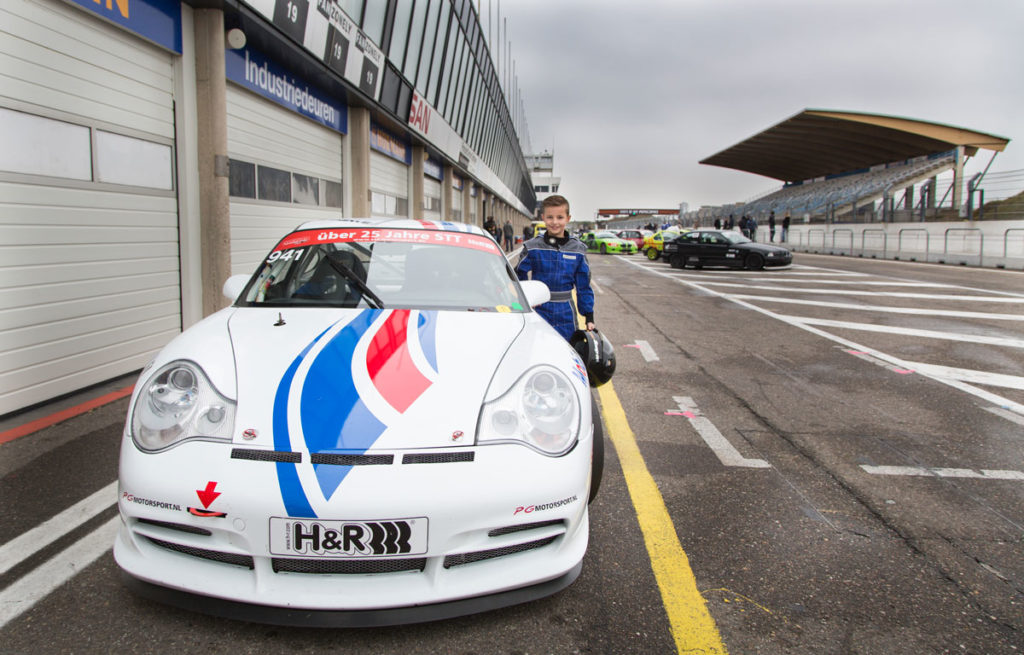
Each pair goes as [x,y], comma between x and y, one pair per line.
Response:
[713,248]
[685,245]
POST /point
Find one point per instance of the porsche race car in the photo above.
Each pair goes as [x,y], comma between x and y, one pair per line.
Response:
[378,430]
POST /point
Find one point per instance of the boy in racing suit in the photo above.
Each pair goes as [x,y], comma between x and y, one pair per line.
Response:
[559,261]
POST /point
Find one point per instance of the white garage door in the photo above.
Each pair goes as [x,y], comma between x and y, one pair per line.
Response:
[285,170]
[88,215]
[456,212]
[389,186]
[431,199]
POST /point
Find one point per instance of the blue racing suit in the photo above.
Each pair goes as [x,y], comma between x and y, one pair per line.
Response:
[561,264]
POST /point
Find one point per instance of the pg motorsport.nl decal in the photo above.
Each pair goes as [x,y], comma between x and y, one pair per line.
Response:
[530,509]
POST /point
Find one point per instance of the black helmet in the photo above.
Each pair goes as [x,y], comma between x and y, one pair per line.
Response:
[597,354]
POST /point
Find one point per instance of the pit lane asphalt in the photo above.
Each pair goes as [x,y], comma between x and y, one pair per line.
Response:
[811,555]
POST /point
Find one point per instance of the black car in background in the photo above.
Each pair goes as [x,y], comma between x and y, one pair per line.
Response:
[701,248]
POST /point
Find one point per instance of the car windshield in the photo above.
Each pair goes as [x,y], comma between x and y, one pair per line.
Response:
[606,235]
[734,237]
[394,268]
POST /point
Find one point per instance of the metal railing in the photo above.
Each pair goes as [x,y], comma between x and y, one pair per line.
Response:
[927,239]
[915,244]
[981,240]
[1006,239]
[863,239]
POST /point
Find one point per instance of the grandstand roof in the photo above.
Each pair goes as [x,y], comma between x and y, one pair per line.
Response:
[819,142]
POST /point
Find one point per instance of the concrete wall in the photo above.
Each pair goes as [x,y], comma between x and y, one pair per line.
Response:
[970,243]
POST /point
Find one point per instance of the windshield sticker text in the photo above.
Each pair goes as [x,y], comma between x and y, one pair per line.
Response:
[430,237]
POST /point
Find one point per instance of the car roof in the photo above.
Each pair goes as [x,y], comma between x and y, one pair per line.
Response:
[394,223]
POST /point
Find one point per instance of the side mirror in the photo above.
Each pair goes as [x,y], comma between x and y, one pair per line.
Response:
[234,286]
[537,293]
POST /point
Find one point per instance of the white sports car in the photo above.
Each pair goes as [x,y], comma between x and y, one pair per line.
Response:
[379,430]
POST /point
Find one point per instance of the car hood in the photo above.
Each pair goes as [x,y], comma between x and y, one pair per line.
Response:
[349,380]
[765,248]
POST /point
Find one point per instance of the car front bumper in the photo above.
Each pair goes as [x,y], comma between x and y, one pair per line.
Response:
[511,519]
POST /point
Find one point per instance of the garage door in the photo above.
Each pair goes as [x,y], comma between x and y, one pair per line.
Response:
[456,212]
[431,199]
[88,214]
[285,170]
[389,186]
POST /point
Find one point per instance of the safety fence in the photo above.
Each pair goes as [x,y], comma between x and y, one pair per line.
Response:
[990,244]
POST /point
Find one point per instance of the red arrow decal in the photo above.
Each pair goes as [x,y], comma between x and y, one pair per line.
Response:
[208,495]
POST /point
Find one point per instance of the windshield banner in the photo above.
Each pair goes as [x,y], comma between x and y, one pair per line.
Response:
[428,237]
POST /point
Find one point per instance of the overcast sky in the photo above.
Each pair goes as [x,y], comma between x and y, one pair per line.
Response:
[631,95]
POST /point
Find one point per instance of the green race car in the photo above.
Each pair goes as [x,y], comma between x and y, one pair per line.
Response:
[606,242]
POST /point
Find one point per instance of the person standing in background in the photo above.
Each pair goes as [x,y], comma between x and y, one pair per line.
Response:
[506,232]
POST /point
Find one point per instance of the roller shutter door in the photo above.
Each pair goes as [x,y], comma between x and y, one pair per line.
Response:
[456,212]
[292,172]
[90,281]
[431,199]
[389,186]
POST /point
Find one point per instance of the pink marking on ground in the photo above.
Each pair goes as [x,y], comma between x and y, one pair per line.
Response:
[686,414]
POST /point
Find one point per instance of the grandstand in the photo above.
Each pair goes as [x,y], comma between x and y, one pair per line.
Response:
[853,167]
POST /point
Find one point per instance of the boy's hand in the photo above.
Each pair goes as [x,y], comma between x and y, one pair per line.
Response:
[590,326]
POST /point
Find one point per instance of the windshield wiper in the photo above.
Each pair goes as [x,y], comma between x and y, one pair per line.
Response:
[349,275]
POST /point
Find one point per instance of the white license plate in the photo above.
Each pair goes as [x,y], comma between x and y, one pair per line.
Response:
[323,538]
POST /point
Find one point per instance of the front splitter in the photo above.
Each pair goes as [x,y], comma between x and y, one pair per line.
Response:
[347,618]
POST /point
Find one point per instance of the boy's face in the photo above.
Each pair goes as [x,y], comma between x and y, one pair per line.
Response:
[555,219]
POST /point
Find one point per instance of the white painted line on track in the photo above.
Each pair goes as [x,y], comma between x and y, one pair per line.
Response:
[911,332]
[859,283]
[938,472]
[1009,416]
[875,308]
[646,350]
[715,440]
[28,590]
[886,294]
[968,375]
[29,543]
[988,396]
[596,288]
[876,361]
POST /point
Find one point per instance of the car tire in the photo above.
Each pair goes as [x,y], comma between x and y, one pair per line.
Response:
[677,261]
[604,249]
[597,458]
[653,254]
[754,262]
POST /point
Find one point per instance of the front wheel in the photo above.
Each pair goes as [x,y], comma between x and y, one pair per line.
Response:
[604,249]
[653,254]
[677,261]
[597,455]
[754,262]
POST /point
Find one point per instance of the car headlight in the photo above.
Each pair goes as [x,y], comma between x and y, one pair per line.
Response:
[177,403]
[541,411]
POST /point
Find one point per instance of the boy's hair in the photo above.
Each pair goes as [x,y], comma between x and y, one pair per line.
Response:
[554,201]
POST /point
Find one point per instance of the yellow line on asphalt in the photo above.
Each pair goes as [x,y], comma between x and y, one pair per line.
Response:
[692,627]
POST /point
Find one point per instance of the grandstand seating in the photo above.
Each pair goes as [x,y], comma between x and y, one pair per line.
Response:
[840,194]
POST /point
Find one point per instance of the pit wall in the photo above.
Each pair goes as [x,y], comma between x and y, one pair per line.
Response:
[990,244]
